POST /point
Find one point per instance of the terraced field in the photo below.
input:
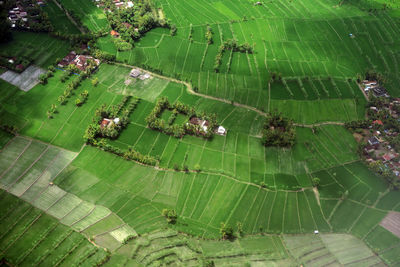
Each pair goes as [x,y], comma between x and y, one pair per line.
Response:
[66,203]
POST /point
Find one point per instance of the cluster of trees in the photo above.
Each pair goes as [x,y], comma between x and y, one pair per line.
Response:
[278,131]
[170,215]
[130,154]
[156,123]
[172,30]
[132,22]
[380,168]
[233,45]
[226,232]
[97,53]
[51,111]
[73,85]
[24,61]
[122,45]
[112,131]
[209,35]
[43,77]
[96,135]
[82,98]
[11,129]
[276,76]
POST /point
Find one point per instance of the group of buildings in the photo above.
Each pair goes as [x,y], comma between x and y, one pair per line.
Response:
[374,87]
[18,15]
[117,3]
[80,61]
[377,137]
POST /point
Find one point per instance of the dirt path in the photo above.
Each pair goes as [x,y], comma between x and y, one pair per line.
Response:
[69,17]
[316,195]
[192,92]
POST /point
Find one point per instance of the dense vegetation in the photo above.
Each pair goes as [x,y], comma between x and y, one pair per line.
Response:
[278,131]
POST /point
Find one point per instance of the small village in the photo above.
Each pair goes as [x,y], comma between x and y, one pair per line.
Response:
[379,134]
[27,14]
[81,62]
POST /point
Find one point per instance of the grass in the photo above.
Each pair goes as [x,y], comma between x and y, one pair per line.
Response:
[42,49]
[91,16]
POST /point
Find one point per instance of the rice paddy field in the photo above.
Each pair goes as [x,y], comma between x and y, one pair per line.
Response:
[67,203]
[59,19]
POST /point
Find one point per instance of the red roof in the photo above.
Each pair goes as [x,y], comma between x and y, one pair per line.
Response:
[378,122]
[388,156]
[114,33]
[104,123]
[127,25]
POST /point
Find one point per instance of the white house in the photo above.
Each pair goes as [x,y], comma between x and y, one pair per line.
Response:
[221,130]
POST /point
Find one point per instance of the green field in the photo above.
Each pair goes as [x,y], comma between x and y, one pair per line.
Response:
[91,16]
[57,193]
[42,49]
[59,20]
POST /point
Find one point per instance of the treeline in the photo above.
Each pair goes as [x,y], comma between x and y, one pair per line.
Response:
[233,45]
[156,123]
[96,135]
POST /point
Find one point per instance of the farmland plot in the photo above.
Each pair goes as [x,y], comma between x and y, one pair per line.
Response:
[33,237]
[32,168]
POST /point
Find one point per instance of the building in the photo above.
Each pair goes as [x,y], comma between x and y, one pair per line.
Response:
[135,73]
[114,33]
[380,92]
[67,59]
[373,141]
[221,130]
[202,123]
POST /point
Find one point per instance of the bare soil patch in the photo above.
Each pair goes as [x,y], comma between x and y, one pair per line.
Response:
[25,80]
[392,223]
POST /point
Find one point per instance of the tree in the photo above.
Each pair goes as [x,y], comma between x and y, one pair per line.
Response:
[316,181]
[170,215]
[95,82]
[197,167]
[43,78]
[226,231]
[78,102]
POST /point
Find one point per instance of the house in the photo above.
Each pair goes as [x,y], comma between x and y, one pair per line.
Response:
[114,33]
[67,59]
[373,141]
[379,122]
[106,123]
[127,25]
[221,130]
[202,123]
[388,156]
[81,61]
[135,73]
[19,67]
[380,92]
[129,4]
[369,83]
